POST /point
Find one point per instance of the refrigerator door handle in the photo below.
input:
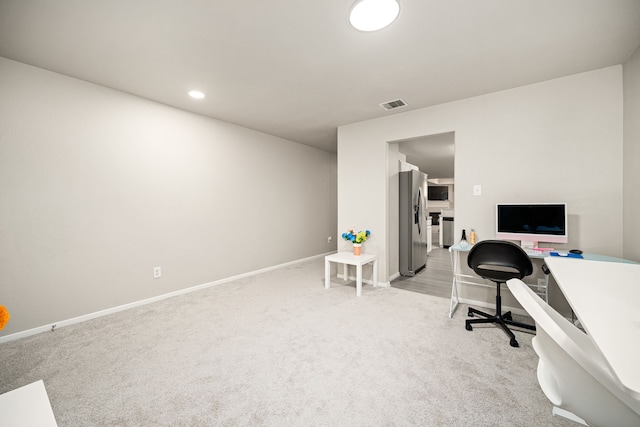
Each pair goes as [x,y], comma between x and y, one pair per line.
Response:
[417,211]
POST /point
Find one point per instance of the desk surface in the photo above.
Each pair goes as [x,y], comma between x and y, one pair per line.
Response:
[544,254]
[605,296]
[466,248]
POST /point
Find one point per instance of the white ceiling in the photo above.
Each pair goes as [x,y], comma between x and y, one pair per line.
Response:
[296,69]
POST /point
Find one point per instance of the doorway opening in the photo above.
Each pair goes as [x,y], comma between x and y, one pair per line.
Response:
[433,155]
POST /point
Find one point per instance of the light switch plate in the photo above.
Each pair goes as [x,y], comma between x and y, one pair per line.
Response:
[477,190]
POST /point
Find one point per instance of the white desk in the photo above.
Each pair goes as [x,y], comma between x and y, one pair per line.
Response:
[605,297]
[26,406]
[348,258]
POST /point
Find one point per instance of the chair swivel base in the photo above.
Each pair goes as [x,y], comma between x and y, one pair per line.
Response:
[501,319]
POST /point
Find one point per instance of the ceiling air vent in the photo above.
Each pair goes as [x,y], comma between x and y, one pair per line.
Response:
[392,105]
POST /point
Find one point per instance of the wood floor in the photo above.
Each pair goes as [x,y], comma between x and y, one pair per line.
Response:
[435,279]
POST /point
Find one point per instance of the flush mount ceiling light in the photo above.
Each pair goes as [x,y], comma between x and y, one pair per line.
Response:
[373,15]
[196,94]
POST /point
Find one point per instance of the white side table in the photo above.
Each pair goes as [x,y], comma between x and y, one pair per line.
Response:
[348,258]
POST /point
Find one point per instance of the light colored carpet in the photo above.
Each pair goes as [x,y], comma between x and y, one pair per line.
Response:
[279,350]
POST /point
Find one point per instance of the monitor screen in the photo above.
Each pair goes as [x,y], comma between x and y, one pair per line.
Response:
[532,222]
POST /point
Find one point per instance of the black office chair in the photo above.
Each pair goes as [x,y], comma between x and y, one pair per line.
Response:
[498,261]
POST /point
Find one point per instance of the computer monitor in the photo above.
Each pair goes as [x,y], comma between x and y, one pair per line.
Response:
[532,223]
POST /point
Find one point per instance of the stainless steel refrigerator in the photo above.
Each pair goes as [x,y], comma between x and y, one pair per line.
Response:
[413,227]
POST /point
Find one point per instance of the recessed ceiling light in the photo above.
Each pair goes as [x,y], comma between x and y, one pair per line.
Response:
[196,94]
[373,15]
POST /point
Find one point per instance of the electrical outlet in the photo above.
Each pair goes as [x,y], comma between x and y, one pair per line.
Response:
[542,283]
[477,190]
[329,239]
[157,272]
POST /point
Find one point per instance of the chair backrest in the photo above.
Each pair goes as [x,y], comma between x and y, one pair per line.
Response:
[499,260]
[571,371]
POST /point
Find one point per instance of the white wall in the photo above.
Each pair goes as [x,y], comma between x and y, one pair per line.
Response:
[631,71]
[97,187]
[559,140]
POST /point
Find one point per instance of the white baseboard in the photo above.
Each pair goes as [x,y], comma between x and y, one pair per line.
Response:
[364,281]
[89,316]
[367,281]
[394,276]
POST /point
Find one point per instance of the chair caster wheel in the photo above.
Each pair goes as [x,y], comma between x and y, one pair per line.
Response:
[514,343]
[469,328]
[507,316]
[470,314]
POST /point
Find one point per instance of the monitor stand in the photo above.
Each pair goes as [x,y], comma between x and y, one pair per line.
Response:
[528,245]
